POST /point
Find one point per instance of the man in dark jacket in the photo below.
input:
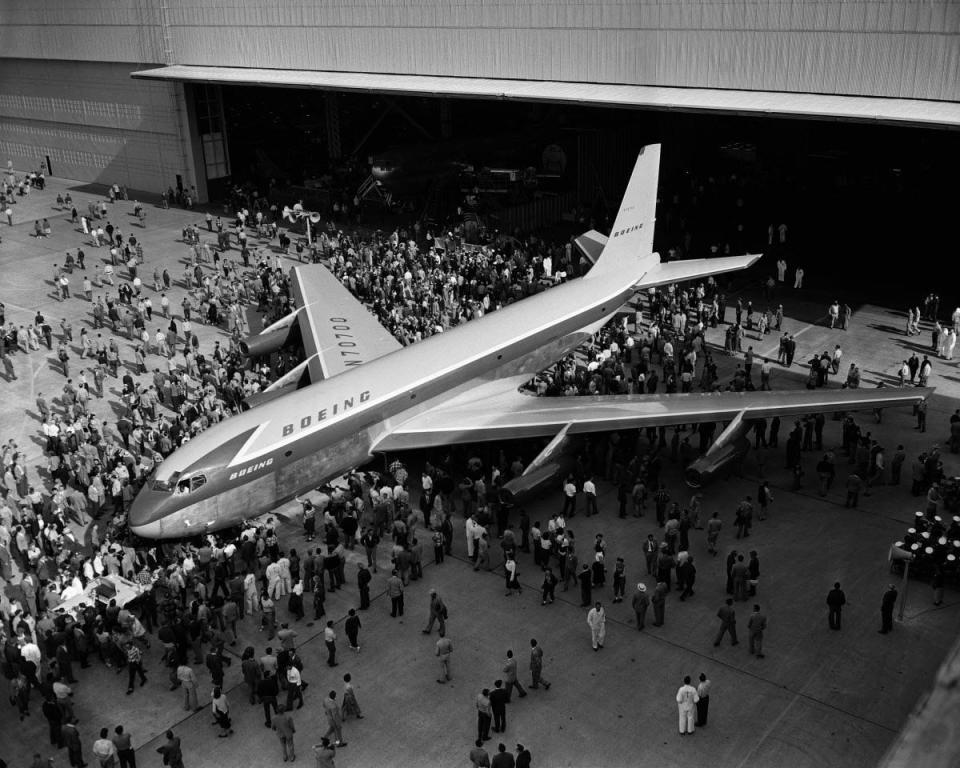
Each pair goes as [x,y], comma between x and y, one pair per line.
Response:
[835,601]
[886,609]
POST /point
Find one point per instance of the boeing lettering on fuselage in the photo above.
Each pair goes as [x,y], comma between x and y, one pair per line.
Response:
[251,469]
[339,407]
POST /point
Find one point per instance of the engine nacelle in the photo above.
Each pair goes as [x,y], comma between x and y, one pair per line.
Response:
[731,445]
[701,471]
[283,333]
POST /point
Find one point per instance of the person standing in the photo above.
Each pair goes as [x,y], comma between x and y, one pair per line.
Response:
[444,651]
[686,702]
[502,759]
[330,640]
[324,753]
[134,665]
[640,604]
[510,676]
[586,584]
[294,684]
[499,698]
[364,578]
[479,758]
[170,751]
[597,621]
[728,622]
[124,745]
[659,601]
[756,624]
[936,583]
[283,725]
[484,715]
[590,494]
[835,602]
[395,592]
[188,680]
[524,758]
[619,580]
[221,712]
[438,613]
[703,700]
[334,720]
[536,665]
[104,749]
[886,609]
[714,524]
[512,572]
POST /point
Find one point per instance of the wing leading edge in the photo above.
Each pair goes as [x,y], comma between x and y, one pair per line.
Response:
[517,415]
[338,331]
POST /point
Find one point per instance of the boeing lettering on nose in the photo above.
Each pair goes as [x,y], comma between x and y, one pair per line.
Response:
[359,392]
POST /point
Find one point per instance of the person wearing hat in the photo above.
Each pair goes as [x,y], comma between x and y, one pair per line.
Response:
[640,604]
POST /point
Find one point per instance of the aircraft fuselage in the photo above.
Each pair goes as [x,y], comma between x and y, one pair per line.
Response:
[256,460]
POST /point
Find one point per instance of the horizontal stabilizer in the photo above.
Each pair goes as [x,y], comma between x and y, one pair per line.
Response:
[591,245]
[691,269]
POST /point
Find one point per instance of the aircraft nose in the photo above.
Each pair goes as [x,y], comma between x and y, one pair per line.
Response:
[147,510]
[147,530]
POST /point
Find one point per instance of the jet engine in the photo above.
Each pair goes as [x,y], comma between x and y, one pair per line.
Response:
[732,445]
[283,333]
[553,462]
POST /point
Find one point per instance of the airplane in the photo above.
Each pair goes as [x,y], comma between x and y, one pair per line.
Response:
[359,392]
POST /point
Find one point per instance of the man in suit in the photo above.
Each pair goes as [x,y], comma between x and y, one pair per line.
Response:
[283,725]
[886,609]
[498,703]
[835,601]
[510,676]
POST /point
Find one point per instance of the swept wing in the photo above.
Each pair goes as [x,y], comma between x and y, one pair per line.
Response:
[516,414]
[337,330]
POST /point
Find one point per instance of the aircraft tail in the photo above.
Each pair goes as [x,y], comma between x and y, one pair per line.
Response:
[629,248]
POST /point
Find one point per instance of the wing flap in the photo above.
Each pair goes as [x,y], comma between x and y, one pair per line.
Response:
[338,331]
[517,415]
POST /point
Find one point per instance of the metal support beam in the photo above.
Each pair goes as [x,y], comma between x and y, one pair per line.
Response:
[409,118]
[446,119]
[332,110]
[372,128]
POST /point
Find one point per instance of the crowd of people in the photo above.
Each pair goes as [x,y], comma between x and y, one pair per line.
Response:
[194,597]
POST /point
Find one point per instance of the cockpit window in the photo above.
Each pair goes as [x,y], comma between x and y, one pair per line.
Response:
[166,486]
[188,484]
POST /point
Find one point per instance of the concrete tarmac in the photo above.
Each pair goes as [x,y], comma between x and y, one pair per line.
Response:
[818,697]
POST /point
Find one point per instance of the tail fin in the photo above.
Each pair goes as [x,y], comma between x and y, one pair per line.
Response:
[629,248]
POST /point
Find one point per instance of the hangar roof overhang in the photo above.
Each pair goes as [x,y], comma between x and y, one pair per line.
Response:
[868,109]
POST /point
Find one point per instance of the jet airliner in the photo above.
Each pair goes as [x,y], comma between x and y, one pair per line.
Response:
[359,392]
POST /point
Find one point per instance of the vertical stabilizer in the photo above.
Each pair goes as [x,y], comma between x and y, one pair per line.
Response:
[629,248]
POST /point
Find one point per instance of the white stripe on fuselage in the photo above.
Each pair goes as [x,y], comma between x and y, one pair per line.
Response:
[439,355]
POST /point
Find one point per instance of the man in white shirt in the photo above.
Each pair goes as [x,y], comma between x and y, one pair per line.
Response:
[597,621]
[104,749]
[687,698]
[590,493]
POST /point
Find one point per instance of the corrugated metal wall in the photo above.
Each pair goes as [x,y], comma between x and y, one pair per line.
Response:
[94,122]
[97,124]
[897,48]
